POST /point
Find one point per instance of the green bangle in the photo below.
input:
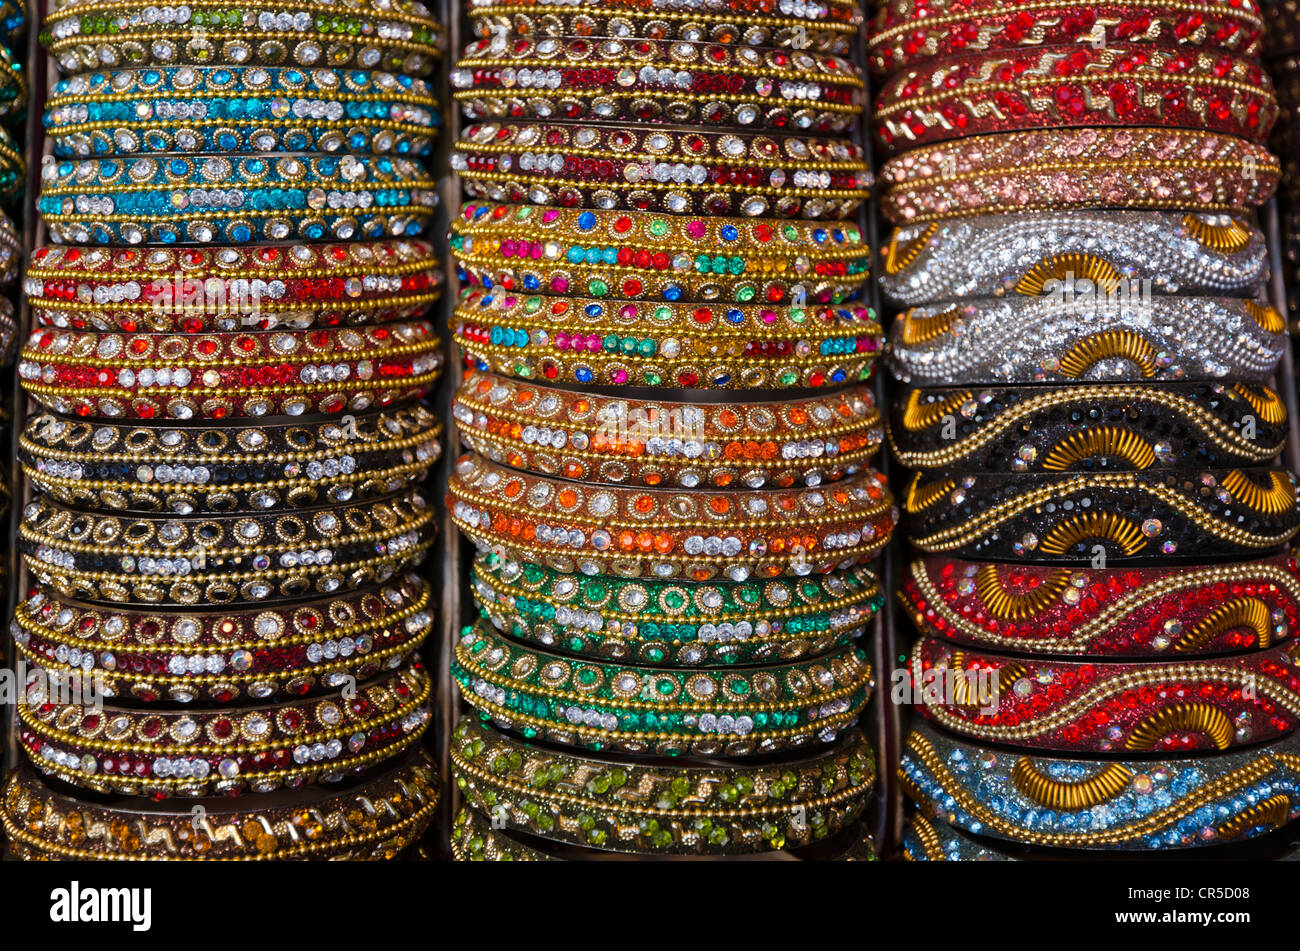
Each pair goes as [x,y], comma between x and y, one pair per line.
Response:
[662,809]
[683,624]
[727,712]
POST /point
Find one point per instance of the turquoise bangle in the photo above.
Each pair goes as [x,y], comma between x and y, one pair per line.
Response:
[208,199]
[186,109]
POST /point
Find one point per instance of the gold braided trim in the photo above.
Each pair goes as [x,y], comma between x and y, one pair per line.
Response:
[1122,531]
[917,417]
[1272,813]
[1235,613]
[1279,497]
[963,693]
[1070,796]
[898,255]
[919,497]
[1269,320]
[929,839]
[1191,717]
[1100,441]
[1069,267]
[1229,238]
[1005,606]
[919,329]
[1109,345]
[1263,401]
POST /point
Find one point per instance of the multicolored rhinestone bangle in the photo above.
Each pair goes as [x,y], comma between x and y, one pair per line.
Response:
[1074,85]
[252,109]
[924,841]
[1106,706]
[287,651]
[1130,804]
[665,534]
[1105,612]
[377,819]
[813,13]
[402,36]
[1052,339]
[666,809]
[139,751]
[1078,518]
[343,550]
[645,256]
[1088,427]
[653,622]
[1043,251]
[682,172]
[686,346]
[622,441]
[1079,168]
[199,290]
[730,712]
[906,34]
[207,199]
[300,465]
[574,78]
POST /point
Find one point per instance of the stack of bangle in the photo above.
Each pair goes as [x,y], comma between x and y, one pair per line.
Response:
[377,819]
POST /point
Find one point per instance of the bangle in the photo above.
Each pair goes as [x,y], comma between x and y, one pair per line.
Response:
[90,34]
[134,751]
[1094,706]
[8,330]
[1079,168]
[669,809]
[1169,514]
[618,441]
[924,841]
[13,169]
[665,534]
[644,256]
[1035,252]
[1105,612]
[831,32]
[230,110]
[207,199]
[199,290]
[229,376]
[1104,337]
[683,624]
[653,169]
[285,652]
[905,34]
[1088,428]
[381,538]
[690,346]
[813,13]
[1130,804]
[378,819]
[1075,85]
[11,251]
[731,712]
[185,472]
[13,85]
[678,83]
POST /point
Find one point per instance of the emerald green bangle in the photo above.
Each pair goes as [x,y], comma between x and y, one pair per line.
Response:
[663,809]
[682,624]
[728,712]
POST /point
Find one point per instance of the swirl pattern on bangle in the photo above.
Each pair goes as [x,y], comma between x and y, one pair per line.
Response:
[925,841]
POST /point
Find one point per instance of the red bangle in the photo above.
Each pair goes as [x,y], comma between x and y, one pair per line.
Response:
[1095,707]
[1065,86]
[1134,612]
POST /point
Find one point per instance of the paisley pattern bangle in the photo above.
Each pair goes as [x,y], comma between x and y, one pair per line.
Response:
[652,622]
[906,34]
[1096,706]
[1079,168]
[207,199]
[1033,252]
[228,376]
[1088,428]
[377,819]
[577,78]
[686,346]
[730,712]
[135,751]
[665,534]
[254,109]
[222,469]
[1051,339]
[199,290]
[621,441]
[644,256]
[924,841]
[668,809]
[89,34]
[1166,515]
[1105,612]
[1075,85]
[104,558]
[681,172]
[1130,804]
[288,651]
